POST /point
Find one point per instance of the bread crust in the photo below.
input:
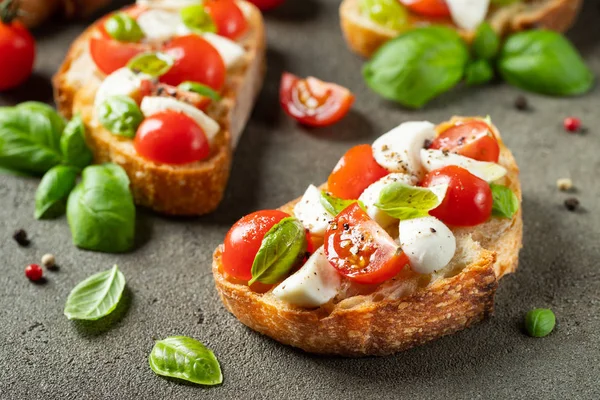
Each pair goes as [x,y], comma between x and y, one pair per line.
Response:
[365,37]
[379,324]
[191,189]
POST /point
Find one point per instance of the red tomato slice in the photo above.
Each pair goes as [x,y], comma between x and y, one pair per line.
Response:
[265,5]
[468,201]
[195,60]
[228,18]
[429,8]
[355,172]
[171,137]
[313,102]
[109,55]
[360,249]
[473,139]
[244,239]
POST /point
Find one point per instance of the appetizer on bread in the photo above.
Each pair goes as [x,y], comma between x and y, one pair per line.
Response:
[165,89]
[405,243]
[367,24]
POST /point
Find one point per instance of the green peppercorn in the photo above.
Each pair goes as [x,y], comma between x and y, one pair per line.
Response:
[540,322]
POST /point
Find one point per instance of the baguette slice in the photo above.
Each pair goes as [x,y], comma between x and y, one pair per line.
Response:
[365,36]
[400,313]
[190,189]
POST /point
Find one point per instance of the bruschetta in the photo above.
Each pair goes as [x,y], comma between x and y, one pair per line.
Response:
[367,24]
[405,243]
[165,89]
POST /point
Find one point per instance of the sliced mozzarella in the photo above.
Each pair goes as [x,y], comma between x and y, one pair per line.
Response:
[230,51]
[370,196]
[159,24]
[168,4]
[468,14]
[155,104]
[313,285]
[436,159]
[311,212]
[121,82]
[398,150]
[428,243]
[245,7]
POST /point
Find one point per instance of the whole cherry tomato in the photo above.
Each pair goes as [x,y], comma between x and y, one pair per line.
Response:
[473,139]
[228,18]
[430,8]
[17,50]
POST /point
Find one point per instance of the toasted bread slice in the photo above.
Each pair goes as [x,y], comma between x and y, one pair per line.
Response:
[406,311]
[365,36]
[190,189]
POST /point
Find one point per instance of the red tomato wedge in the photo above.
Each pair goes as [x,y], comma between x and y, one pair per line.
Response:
[313,102]
[473,139]
[355,172]
[228,18]
[360,249]
[429,8]
[468,201]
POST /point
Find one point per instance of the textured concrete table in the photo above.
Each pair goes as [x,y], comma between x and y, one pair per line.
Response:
[170,289]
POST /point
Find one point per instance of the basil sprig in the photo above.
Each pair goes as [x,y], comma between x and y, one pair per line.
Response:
[120,115]
[540,322]
[123,28]
[154,64]
[281,249]
[334,205]
[486,43]
[196,19]
[199,88]
[72,144]
[403,202]
[53,191]
[479,72]
[506,203]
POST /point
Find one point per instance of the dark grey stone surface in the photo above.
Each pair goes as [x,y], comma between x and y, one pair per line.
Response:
[170,289]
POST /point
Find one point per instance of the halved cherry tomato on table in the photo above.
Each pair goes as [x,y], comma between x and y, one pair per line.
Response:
[362,250]
[313,102]
[473,139]
[355,172]
[17,50]
[228,18]
[265,5]
[468,201]
[430,8]
[171,137]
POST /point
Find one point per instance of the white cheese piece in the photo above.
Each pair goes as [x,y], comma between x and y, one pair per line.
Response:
[468,14]
[370,197]
[313,285]
[168,4]
[436,159]
[230,51]
[311,212]
[398,150]
[246,8]
[121,82]
[428,243]
[155,104]
[159,24]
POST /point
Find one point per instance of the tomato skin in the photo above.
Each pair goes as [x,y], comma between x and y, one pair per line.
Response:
[356,171]
[17,50]
[468,201]
[360,249]
[109,55]
[313,102]
[429,8]
[265,5]
[473,139]
[171,137]
[243,241]
[228,18]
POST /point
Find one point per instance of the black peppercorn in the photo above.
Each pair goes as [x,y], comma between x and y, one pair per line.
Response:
[521,103]
[20,237]
[571,203]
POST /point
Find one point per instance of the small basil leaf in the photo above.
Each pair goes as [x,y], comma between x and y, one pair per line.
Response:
[479,72]
[544,62]
[486,44]
[282,247]
[403,202]
[153,64]
[417,66]
[388,13]
[54,189]
[96,296]
[100,210]
[185,358]
[56,120]
[72,144]
[540,322]
[123,28]
[506,203]
[120,115]
[196,19]
[200,89]
[334,205]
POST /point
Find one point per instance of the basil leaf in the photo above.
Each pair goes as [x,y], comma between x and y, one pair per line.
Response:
[96,296]
[123,28]
[403,202]
[72,144]
[540,322]
[334,205]
[120,115]
[544,62]
[153,64]
[479,72]
[197,19]
[199,88]
[52,193]
[281,249]
[417,66]
[100,210]
[506,203]
[185,358]
[388,13]
[486,43]
[56,120]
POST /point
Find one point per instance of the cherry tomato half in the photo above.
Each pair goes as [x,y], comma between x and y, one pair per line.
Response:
[362,250]
[17,51]
[313,102]
[473,139]
[228,18]
[265,5]
[244,239]
[355,172]
[468,201]
[109,55]
[171,137]
[430,8]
